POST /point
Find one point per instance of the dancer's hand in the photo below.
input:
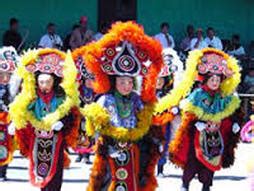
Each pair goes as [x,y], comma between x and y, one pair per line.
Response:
[236,128]
[200,126]
[113,153]
[161,148]
[11,129]
[175,110]
[57,126]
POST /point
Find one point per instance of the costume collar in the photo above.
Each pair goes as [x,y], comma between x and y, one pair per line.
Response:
[209,91]
[46,98]
[122,97]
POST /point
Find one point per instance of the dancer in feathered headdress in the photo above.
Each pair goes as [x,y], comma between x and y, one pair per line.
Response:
[169,78]
[122,117]
[85,143]
[46,114]
[208,134]
[8,63]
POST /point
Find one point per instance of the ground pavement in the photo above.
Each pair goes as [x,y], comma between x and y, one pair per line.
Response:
[76,178]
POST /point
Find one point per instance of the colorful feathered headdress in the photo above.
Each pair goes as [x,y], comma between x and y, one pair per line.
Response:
[78,57]
[125,51]
[210,61]
[172,62]
[49,62]
[8,59]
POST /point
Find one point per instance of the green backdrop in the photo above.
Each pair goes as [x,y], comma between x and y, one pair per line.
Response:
[226,16]
[34,15]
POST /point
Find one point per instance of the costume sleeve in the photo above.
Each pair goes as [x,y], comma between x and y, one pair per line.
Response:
[149,156]
[24,139]
[71,127]
[179,146]
[230,142]
[164,118]
[100,166]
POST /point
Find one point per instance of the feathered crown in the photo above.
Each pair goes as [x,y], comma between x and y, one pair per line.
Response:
[78,57]
[125,51]
[49,61]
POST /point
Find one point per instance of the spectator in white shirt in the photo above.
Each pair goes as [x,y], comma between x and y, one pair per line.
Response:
[51,39]
[212,40]
[164,37]
[198,42]
[236,48]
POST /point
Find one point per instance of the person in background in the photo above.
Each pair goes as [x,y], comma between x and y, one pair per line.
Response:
[248,82]
[66,41]
[198,42]
[12,36]
[211,40]
[166,40]
[51,39]
[101,32]
[78,38]
[186,42]
[251,50]
[236,48]
[88,36]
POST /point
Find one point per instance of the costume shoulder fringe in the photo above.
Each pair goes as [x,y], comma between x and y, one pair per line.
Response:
[187,106]
[98,120]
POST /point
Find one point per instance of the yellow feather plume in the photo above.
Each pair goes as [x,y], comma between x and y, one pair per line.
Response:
[98,120]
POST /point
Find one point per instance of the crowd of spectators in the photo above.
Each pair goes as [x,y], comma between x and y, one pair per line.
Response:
[195,38]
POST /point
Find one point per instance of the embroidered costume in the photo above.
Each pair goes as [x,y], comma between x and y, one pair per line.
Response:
[122,121]
[208,134]
[46,114]
[8,63]
[87,95]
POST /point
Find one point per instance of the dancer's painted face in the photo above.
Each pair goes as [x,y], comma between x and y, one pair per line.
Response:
[124,85]
[160,83]
[45,83]
[4,78]
[214,82]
